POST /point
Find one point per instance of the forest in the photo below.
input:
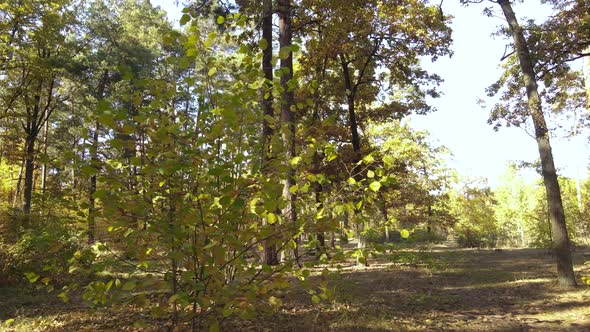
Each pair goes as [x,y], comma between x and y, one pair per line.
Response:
[251,167]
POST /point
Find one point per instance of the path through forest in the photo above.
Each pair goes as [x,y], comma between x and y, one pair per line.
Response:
[439,289]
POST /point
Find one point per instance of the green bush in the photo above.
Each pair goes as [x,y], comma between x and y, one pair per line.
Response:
[420,235]
[470,237]
[40,253]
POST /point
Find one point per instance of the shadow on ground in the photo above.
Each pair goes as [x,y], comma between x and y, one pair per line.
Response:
[511,290]
[446,289]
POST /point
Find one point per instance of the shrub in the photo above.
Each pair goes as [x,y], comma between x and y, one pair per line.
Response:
[40,253]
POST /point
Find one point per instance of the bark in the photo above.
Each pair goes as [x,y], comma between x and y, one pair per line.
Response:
[95,163]
[44,165]
[350,98]
[587,78]
[37,115]
[565,272]
[18,184]
[29,169]
[356,142]
[321,238]
[271,256]
[385,215]
[288,114]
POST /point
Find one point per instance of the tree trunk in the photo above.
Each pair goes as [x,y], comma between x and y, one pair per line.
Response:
[385,215]
[95,163]
[587,78]
[321,238]
[92,189]
[288,115]
[32,132]
[18,184]
[29,169]
[44,165]
[271,256]
[356,141]
[565,272]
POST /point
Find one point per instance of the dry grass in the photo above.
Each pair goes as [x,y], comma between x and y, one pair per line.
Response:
[444,289]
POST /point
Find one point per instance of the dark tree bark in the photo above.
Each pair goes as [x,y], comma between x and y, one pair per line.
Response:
[320,236]
[350,99]
[29,169]
[288,113]
[32,131]
[44,165]
[271,256]
[351,89]
[95,163]
[37,115]
[565,272]
[385,215]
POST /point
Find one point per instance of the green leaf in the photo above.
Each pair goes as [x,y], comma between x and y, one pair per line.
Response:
[351,181]
[64,296]
[284,53]
[129,285]
[375,186]
[9,321]
[295,161]
[368,159]
[220,19]
[315,299]
[212,71]
[388,161]
[263,44]
[185,19]
[271,218]
[191,52]
[404,233]
[183,63]
[370,174]
[32,277]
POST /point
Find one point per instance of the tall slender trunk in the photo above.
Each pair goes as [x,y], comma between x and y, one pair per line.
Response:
[271,256]
[587,78]
[565,272]
[29,168]
[92,190]
[44,165]
[350,98]
[356,141]
[321,238]
[385,215]
[32,132]
[288,129]
[95,163]
[18,184]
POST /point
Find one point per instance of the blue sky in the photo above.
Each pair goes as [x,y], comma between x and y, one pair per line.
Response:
[460,123]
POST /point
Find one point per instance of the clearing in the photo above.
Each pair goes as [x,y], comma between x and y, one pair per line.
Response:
[438,289]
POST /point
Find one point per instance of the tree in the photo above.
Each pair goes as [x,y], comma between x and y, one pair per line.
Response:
[355,60]
[36,66]
[288,108]
[515,208]
[566,277]
[473,206]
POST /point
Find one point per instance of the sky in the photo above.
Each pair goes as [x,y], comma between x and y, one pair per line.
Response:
[460,123]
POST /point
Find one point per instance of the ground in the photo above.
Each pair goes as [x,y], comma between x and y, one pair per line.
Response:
[439,289]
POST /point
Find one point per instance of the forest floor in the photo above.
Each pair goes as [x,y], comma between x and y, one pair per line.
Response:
[435,289]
